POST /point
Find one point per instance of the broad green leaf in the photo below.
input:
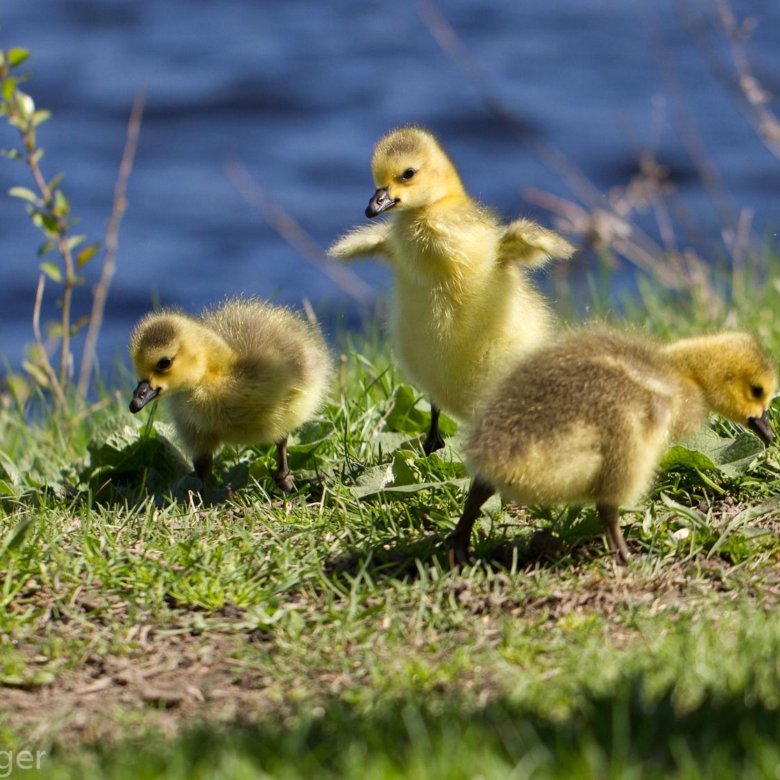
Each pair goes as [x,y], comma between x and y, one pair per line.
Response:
[403,490]
[23,193]
[401,477]
[75,241]
[52,271]
[708,451]
[122,452]
[17,56]
[373,480]
[39,117]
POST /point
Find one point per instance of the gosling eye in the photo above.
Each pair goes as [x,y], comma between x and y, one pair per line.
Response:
[408,174]
[757,391]
[163,364]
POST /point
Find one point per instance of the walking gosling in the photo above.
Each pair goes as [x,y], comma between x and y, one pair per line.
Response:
[586,420]
[463,310]
[246,372]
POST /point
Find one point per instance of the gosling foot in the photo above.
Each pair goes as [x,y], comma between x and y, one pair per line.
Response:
[434,441]
[282,476]
[284,482]
[458,551]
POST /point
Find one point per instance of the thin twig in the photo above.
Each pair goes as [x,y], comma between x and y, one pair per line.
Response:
[451,45]
[100,292]
[766,123]
[751,95]
[43,357]
[708,172]
[640,248]
[63,247]
[291,230]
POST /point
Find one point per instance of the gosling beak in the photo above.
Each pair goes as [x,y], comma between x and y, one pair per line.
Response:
[761,427]
[379,203]
[142,394]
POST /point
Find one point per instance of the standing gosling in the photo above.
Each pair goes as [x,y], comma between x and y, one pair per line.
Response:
[243,373]
[463,312]
[586,420]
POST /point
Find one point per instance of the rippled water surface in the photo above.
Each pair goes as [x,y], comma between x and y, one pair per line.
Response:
[300,90]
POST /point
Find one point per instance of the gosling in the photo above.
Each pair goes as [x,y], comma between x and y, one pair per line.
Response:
[246,372]
[586,419]
[463,309]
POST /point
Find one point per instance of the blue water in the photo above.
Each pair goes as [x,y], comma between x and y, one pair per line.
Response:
[300,90]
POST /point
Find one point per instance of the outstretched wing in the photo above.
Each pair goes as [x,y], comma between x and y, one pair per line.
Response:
[523,241]
[364,241]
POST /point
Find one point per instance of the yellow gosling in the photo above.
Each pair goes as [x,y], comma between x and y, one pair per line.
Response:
[463,309]
[587,419]
[246,372]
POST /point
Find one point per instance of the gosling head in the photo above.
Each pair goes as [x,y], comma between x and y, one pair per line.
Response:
[736,375]
[410,171]
[163,358]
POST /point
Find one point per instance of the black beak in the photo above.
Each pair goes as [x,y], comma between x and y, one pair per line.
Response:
[379,203]
[142,394]
[761,427]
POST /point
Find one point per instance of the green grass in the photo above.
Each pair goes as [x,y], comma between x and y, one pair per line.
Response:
[145,633]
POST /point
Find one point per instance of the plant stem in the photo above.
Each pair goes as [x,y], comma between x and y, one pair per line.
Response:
[100,292]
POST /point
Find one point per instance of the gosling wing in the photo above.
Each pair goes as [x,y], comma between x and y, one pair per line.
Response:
[523,241]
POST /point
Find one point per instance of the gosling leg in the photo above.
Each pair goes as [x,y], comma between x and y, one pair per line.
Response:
[479,492]
[282,477]
[610,519]
[435,440]
[202,464]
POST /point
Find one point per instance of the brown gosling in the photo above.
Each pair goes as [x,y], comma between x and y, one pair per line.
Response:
[246,372]
[587,419]
[463,309]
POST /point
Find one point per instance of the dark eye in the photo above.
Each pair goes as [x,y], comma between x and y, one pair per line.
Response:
[757,391]
[408,174]
[163,364]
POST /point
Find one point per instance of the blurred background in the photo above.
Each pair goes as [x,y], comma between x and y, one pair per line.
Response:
[552,110]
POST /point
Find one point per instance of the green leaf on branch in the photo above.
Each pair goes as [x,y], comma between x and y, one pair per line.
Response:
[61,205]
[25,105]
[45,248]
[56,181]
[39,117]
[46,222]
[17,56]
[13,154]
[52,271]
[86,254]
[23,193]
[9,87]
